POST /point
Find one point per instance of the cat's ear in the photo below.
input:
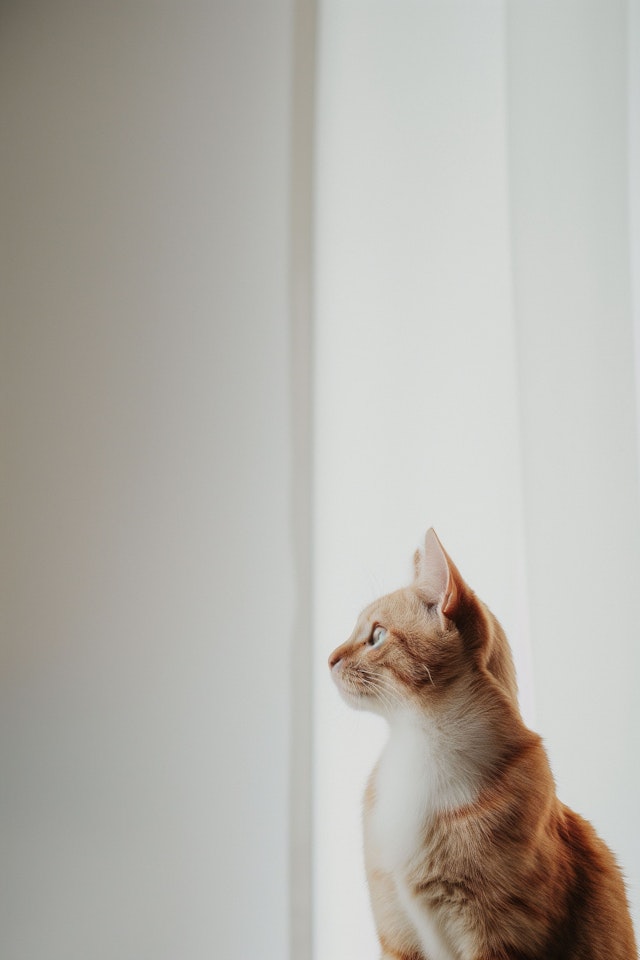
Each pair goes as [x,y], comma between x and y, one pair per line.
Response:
[437,578]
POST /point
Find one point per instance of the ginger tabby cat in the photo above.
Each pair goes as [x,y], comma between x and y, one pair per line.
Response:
[469,853]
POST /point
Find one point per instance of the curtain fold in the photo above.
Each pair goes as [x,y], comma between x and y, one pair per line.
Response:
[569,183]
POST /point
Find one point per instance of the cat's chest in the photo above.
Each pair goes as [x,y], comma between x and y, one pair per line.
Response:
[400,809]
[417,776]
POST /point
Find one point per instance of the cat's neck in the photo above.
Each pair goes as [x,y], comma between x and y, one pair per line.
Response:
[456,742]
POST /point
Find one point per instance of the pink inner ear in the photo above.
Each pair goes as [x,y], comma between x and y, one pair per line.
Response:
[450,601]
[432,573]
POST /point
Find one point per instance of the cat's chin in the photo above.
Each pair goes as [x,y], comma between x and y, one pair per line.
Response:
[352,697]
[360,700]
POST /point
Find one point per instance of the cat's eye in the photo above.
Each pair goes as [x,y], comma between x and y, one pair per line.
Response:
[377,637]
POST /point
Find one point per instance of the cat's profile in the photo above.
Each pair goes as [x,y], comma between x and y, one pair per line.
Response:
[469,853]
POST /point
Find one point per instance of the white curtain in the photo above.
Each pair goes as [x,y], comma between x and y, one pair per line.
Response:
[474,370]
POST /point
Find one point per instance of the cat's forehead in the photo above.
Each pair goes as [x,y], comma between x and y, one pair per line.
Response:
[387,610]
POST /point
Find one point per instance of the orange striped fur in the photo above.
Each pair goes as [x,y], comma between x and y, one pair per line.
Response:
[469,853]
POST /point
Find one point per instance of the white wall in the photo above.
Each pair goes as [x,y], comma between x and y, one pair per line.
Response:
[474,370]
[146,569]
[633,113]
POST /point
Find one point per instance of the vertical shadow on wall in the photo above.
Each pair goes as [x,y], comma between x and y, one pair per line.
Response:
[300,306]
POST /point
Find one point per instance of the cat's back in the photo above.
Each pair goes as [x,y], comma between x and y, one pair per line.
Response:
[595,923]
[547,878]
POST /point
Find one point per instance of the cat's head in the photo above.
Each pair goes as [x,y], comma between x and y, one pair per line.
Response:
[423,643]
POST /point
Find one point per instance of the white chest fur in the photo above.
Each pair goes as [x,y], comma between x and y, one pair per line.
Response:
[422,770]
[402,794]
[420,773]
[425,925]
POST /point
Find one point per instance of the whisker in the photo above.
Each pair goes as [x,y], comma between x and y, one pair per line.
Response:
[387,693]
[382,694]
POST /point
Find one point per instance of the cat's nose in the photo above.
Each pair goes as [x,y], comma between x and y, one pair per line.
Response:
[335,659]
[338,655]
